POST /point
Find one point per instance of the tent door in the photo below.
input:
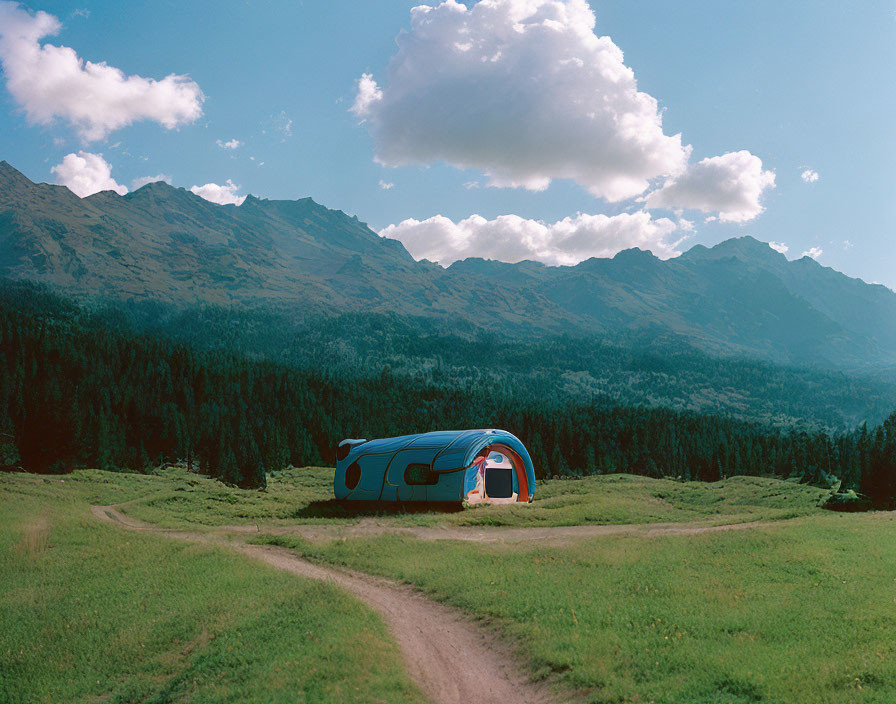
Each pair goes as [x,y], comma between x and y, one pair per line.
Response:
[499,482]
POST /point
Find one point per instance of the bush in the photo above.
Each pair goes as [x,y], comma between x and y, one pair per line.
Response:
[847,501]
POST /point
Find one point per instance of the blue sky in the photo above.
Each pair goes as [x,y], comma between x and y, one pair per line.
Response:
[791,87]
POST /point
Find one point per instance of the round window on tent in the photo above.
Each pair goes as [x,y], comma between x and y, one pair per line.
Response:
[420,474]
[352,476]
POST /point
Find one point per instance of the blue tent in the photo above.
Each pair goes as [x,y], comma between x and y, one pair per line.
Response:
[490,466]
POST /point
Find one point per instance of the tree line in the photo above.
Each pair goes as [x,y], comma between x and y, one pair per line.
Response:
[73,395]
[638,368]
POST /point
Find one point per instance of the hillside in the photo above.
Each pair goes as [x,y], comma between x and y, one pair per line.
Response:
[162,243]
[167,244]
[740,296]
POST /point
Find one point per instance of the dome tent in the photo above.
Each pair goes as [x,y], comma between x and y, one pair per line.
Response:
[489,466]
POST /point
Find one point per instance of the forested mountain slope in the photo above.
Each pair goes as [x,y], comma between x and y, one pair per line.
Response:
[166,244]
[72,394]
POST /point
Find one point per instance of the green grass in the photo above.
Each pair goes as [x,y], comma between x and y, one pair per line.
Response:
[93,613]
[802,612]
[624,498]
[305,496]
[177,498]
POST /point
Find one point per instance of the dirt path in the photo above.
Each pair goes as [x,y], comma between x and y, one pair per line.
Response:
[451,658]
[488,534]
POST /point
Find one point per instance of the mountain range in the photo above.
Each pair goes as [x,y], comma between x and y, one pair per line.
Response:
[167,244]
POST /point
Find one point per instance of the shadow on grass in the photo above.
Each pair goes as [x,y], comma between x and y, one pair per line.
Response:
[334,508]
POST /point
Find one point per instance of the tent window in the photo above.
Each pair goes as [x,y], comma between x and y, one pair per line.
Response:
[352,476]
[420,474]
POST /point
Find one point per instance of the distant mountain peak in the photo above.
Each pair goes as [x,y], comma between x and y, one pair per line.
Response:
[8,172]
[101,196]
[306,202]
[166,243]
[747,243]
[156,186]
[16,187]
[636,255]
[161,192]
[747,249]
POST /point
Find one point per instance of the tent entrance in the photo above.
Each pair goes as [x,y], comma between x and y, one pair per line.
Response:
[499,482]
[497,476]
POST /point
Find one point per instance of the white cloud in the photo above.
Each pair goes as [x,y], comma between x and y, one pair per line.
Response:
[814,252]
[731,184]
[523,90]
[809,176]
[368,93]
[232,144]
[85,174]
[52,82]
[511,238]
[847,244]
[686,225]
[470,185]
[143,180]
[779,247]
[222,195]
[386,185]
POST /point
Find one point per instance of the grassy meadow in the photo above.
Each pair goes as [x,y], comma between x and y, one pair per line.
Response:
[801,610]
[181,500]
[93,613]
